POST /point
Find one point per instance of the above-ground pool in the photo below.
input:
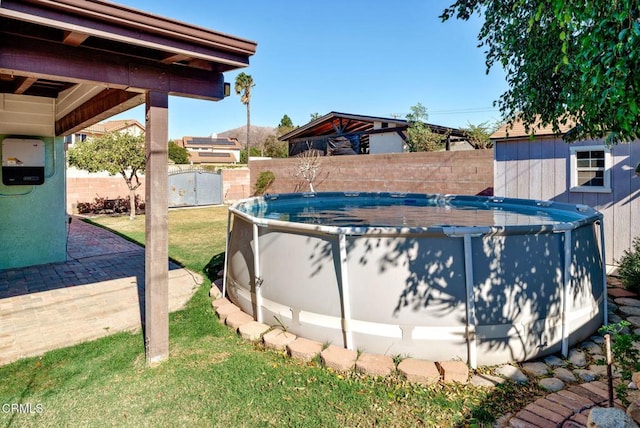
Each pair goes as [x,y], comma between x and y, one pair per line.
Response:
[485,280]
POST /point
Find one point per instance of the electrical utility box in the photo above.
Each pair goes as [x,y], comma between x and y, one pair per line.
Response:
[22,161]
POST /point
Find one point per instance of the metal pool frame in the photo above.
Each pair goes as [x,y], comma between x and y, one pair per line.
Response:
[482,294]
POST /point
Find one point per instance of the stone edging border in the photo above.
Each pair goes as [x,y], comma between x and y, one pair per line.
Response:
[572,404]
[336,357]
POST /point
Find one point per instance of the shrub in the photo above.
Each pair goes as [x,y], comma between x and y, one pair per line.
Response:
[625,354]
[102,205]
[629,269]
[265,178]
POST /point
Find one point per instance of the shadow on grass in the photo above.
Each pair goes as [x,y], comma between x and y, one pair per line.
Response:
[215,265]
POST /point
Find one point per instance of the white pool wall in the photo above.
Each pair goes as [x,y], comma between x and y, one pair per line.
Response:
[483,295]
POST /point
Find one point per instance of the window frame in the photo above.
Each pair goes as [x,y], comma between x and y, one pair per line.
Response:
[573,165]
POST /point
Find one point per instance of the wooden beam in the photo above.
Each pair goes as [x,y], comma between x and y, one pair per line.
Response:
[402,134]
[56,61]
[117,22]
[86,114]
[335,127]
[201,64]
[156,286]
[74,38]
[170,59]
[399,130]
[23,83]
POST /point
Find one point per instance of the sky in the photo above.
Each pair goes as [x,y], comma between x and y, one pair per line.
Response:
[368,57]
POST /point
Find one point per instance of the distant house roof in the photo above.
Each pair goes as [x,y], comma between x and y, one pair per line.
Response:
[517,130]
[357,128]
[112,126]
[335,123]
[212,157]
[212,149]
[213,143]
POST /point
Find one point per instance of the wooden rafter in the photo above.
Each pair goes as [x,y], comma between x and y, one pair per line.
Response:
[74,38]
[87,113]
[23,83]
[170,59]
[402,134]
[201,64]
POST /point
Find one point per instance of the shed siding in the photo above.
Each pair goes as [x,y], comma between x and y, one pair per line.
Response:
[539,169]
[535,170]
[523,166]
[548,166]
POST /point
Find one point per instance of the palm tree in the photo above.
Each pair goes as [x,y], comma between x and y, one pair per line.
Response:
[244,83]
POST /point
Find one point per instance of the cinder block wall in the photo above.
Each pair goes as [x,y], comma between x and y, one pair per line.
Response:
[235,184]
[86,189]
[455,172]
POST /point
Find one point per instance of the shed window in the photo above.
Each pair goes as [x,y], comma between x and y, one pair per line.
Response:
[590,169]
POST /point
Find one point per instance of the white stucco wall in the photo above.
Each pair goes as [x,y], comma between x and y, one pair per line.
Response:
[389,142]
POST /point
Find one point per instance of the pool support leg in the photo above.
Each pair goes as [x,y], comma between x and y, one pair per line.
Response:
[566,283]
[605,307]
[345,294]
[257,278]
[226,256]
[471,309]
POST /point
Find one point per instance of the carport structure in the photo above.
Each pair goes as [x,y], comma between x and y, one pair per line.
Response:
[95,59]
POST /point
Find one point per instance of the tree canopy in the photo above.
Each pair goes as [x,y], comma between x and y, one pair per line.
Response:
[314,116]
[420,138]
[479,135]
[275,148]
[566,61]
[116,153]
[243,85]
[178,154]
[285,122]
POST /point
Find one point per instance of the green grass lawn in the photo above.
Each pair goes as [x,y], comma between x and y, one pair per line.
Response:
[214,378]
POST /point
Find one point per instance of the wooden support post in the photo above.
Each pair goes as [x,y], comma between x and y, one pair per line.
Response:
[607,342]
[156,286]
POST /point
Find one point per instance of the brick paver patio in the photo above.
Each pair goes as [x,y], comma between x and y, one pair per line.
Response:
[99,291]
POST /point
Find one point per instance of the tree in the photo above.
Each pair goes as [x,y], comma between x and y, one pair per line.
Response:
[116,153]
[177,153]
[479,135]
[315,116]
[244,157]
[308,167]
[244,83]
[275,148]
[285,126]
[420,138]
[285,122]
[566,61]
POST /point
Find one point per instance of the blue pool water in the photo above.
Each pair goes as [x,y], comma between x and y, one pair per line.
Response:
[415,210]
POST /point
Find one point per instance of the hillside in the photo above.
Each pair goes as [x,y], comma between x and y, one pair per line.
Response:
[258,134]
